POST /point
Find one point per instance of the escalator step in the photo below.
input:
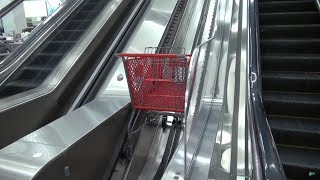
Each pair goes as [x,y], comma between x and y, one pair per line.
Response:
[37,68]
[22,84]
[59,47]
[300,163]
[16,87]
[34,73]
[292,104]
[295,131]
[46,59]
[77,25]
[291,62]
[286,6]
[291,81]
[289,18]
[68,35]
[308,46]
[93,6]
[290,31]
[85,15]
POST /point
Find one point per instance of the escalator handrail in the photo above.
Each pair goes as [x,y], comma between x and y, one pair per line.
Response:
[37,36]
[318,4]
[267,151]
[8,8]
[256,161]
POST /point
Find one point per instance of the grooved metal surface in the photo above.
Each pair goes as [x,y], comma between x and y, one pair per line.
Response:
[173,25]
[289,44]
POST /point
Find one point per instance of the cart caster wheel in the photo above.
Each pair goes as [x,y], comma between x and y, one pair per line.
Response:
[128,152]
[151,116]
[164,122]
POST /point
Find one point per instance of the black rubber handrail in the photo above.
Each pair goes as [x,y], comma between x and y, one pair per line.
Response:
[267,151]
[318,4]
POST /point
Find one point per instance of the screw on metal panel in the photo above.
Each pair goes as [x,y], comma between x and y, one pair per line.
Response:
[66,171]
[120,77]
[177,175]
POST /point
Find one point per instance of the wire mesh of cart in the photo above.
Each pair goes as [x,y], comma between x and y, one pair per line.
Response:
[157,82]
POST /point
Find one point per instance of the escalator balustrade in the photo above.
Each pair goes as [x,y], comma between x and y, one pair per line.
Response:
[48,55]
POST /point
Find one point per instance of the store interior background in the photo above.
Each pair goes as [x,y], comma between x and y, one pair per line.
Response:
[16,25]
[25,17]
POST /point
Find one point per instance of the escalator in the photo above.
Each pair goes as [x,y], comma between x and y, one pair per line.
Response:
[52,66]
[290,64]
[9,6]
[49,54]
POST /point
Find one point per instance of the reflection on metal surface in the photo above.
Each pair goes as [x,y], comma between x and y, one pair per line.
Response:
[55,138]
[37,155]
[200,102]
[17,161]
[39,103]
[225,137]
[155,153]
[203,159]
[27,156]
[147,34]
[229,47]
[243,61]
[225,160]
[230,56]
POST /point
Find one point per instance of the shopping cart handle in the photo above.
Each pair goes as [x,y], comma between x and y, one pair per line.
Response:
[153,55]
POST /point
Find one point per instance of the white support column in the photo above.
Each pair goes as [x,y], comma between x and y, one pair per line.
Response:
[15,20]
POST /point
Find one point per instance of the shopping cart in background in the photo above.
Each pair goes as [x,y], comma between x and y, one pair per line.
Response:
[157,80]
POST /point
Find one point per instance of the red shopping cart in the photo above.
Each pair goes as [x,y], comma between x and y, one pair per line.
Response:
[157,82]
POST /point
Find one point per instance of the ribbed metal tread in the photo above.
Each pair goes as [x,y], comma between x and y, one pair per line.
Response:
[286,6]
[305,45]
[279,18]
[291,81]
[293,97]
[290,64]
[295,131]
[290,31]
[292,104]
[295,124]
[295,156]
[300,163]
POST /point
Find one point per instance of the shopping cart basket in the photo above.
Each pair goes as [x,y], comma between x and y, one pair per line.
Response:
[157,82]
